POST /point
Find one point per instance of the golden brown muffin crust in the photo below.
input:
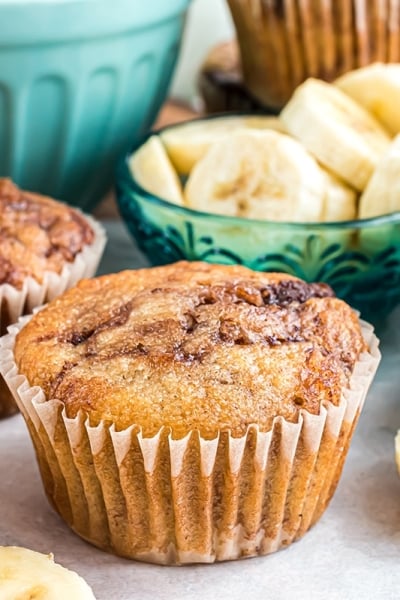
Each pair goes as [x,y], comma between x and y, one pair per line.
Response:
[37,234]
[192,346]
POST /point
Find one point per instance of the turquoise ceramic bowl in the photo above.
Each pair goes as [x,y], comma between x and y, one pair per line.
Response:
[79,80]
[359,259]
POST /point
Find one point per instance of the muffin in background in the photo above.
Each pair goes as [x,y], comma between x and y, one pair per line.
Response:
[193,412]
[284,43]
[45,248]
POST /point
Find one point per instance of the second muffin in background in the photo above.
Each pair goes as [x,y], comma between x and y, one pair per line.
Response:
[45,248]
[284,43]
[193,412]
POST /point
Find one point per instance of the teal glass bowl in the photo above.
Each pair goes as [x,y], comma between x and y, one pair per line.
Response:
[79,81]
[359,259]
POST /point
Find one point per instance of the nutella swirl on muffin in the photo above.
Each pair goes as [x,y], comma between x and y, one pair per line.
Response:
[192,346]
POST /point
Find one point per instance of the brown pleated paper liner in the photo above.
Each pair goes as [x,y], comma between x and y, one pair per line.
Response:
[190,500]
[17,302]
[393,33]
[284,42]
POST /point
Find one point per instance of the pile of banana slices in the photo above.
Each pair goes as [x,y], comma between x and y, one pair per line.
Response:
[333,154]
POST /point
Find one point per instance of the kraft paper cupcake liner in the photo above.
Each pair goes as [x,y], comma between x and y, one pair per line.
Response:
[190,500]
[283,43]
[17,302]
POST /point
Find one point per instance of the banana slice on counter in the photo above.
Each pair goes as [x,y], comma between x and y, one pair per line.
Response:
[341,134]
[153,170]
[28,575]
[188,143]
[382,195]
[340,200]
[377,88]
[258,175]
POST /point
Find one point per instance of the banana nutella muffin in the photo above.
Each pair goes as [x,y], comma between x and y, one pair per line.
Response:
[45,247]
[193,412]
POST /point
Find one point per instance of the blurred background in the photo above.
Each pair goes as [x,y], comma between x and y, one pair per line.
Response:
[80,89]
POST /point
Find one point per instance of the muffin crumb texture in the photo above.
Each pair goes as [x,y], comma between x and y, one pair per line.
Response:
[37,234]
[192,346]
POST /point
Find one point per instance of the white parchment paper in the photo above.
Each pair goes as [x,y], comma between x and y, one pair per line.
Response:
[352,553]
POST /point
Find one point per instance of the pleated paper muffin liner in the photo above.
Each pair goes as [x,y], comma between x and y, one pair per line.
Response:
[190,500]
[283,43]
[17,302]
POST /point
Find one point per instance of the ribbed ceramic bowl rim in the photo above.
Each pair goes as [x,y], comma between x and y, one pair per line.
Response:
[82,19]
[124,172]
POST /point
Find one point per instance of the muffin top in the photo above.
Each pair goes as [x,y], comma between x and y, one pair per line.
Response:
[192,346]
[37,234]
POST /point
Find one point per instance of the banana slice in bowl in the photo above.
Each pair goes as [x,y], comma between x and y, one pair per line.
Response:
[340,200]
[382,194]
[28,575]
[187,144]
[153,170]
[258,175]
[340,133]
[377,88]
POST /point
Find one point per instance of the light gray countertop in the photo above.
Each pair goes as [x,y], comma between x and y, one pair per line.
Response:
[352,553]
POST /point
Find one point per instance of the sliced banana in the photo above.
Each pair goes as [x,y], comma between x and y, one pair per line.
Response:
[188,143]
[340,200]
[341,134]
[382,195]
[28,575]
[258,175]
[377,88]
[154,172]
